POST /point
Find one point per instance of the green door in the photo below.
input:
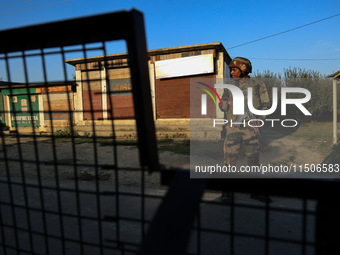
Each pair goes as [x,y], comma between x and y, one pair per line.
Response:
[25,113]
[24,107]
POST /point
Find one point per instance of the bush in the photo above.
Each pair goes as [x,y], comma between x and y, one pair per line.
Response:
[321,103]
[65,133]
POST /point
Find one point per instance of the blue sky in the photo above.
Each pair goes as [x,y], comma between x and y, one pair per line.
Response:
[177,23]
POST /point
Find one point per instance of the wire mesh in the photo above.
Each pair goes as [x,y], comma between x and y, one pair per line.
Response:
[65,186]
[72,187]
[247,226]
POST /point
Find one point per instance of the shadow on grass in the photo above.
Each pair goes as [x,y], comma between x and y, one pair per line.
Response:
[178,147]
[334,156]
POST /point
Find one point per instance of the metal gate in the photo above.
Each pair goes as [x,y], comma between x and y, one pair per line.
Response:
[62,193]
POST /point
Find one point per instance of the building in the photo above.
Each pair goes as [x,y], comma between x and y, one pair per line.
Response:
[38,105]
[102,92]
[104,81]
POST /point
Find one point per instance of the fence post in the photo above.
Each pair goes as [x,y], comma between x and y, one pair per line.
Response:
[328,224]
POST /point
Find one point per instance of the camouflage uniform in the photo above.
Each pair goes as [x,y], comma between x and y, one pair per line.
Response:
[237,135]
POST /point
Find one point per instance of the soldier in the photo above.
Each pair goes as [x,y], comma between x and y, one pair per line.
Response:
[238,135]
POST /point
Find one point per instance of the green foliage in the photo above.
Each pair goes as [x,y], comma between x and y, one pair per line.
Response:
[320,87]
[302,73]
[65,133]
[267,74]
[320,105]
[177,147]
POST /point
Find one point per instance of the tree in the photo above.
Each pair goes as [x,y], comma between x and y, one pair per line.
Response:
[320,104]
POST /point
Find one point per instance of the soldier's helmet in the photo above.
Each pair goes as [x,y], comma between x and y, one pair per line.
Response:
[241,63]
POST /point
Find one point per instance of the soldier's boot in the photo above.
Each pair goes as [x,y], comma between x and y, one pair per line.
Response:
[226,196]
[253,160]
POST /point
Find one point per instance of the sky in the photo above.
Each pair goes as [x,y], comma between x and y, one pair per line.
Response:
[186,22]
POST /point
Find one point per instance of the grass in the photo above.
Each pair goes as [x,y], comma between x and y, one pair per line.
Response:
[334,156]
[99,140]
[315,131]
[317,136]
[178,147]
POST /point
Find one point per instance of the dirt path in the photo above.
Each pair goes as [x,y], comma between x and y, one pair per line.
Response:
[288,150]
[81,160]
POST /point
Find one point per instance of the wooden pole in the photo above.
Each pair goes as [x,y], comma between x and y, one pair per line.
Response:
[335,113]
